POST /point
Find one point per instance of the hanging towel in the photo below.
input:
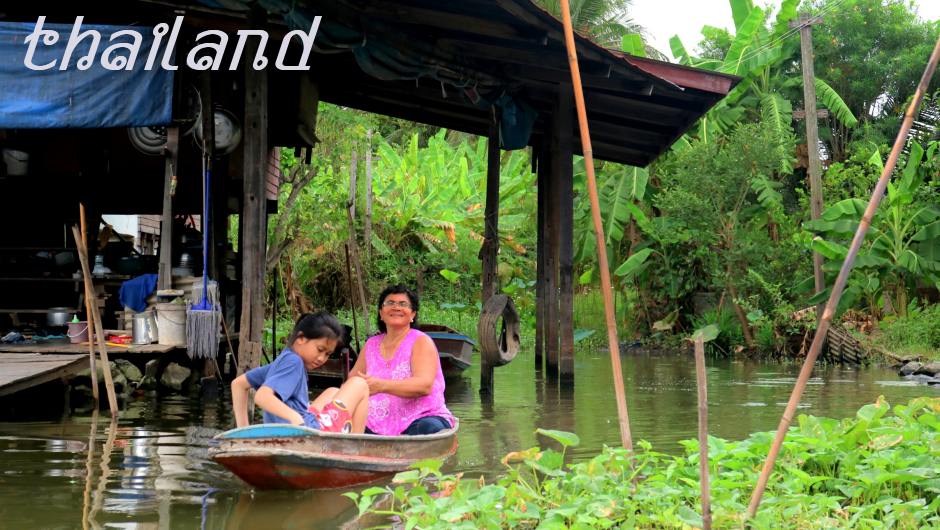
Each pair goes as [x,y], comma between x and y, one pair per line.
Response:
[134,293]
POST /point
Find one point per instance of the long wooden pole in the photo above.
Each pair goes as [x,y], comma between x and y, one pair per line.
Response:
[837,288]
[95,318]
[702,384]
[614,344]
[91,343]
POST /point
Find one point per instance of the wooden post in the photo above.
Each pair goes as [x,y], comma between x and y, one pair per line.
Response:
[255,159]
[367,217]
[616,370]
[165,278]
[805,23]
[833,302]
[563,206]
[702,385]
[550,294]
[88,320]
[95,318]
[490,248]
[541,277]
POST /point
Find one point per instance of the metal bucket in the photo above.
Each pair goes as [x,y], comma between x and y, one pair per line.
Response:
[145,328]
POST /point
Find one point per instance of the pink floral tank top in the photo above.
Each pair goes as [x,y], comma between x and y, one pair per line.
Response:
[390,415]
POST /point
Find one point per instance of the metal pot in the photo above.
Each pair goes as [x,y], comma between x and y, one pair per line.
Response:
[145,328]
[58,316]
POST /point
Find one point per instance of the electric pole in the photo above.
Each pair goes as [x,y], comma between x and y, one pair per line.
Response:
[805,23]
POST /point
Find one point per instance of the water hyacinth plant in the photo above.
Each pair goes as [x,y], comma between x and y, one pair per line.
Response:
[880,469]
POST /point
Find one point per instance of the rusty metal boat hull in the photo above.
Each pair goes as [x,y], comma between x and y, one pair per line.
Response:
[277,456]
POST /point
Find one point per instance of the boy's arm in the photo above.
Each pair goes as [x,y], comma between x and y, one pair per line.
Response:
[240,388]
[268,401]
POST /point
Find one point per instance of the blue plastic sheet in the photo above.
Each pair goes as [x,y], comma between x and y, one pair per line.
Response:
[73,98]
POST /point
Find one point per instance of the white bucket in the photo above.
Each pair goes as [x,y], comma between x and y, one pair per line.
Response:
[171,324]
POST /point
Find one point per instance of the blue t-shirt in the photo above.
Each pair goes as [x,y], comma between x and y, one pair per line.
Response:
[287,377]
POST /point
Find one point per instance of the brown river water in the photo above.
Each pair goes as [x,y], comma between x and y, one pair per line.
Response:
[151,471]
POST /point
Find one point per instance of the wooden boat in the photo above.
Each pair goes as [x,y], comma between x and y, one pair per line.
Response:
[280,456]
[454,349]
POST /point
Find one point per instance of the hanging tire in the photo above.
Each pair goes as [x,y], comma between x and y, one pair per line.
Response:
[498,348]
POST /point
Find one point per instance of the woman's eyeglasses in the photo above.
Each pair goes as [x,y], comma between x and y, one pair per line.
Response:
[404,304]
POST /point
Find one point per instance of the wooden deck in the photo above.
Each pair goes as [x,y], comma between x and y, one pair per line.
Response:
[19,371]
[80,349]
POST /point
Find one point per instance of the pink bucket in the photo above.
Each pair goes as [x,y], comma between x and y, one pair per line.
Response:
[78,332]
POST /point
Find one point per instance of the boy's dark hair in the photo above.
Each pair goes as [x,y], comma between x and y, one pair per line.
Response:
[396,289]
[314,326]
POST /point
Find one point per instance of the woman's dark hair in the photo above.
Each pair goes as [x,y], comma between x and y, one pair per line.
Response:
[396,289]
[315,326]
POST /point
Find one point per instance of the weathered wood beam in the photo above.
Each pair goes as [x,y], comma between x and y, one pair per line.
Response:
[563,149]
[254,215]
[490,248]
[541,253]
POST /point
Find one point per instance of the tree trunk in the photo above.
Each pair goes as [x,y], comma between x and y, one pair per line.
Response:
[742,318]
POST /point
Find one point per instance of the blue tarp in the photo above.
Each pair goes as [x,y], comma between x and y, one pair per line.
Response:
[73,98]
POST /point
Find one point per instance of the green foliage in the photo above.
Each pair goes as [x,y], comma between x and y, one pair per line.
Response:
[916,333]
[871,52]
[606,22]
[763,53]
[901,250]
[880,469]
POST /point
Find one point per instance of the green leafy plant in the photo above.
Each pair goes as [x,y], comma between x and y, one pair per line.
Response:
[879,469]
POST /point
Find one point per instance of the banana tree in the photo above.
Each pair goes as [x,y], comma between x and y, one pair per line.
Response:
[904,247]
[761,54]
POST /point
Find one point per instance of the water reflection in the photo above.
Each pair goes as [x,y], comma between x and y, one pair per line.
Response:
[150,470]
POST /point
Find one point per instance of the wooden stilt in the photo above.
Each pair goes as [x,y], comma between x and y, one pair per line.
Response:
[254,218]
[551,263]
[563,175]
[821,330]
[490,248]
[614,344]
[541,278]
[165,278]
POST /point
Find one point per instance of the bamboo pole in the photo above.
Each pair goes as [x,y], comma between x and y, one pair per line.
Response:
[102,485]
[89,471]
[824,323]
[701,382]
[622,414]
[91,343]
[96,318]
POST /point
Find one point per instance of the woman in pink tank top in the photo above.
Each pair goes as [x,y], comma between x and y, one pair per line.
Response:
[402,367]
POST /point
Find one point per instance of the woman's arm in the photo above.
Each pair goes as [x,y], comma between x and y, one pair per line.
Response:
[424,363]
[269,402]
[359,368]
[240,388]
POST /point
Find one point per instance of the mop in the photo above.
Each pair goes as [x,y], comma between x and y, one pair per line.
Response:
[204,317]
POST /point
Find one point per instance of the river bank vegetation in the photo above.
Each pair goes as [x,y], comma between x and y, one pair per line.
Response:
[880,469]
[716,231]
